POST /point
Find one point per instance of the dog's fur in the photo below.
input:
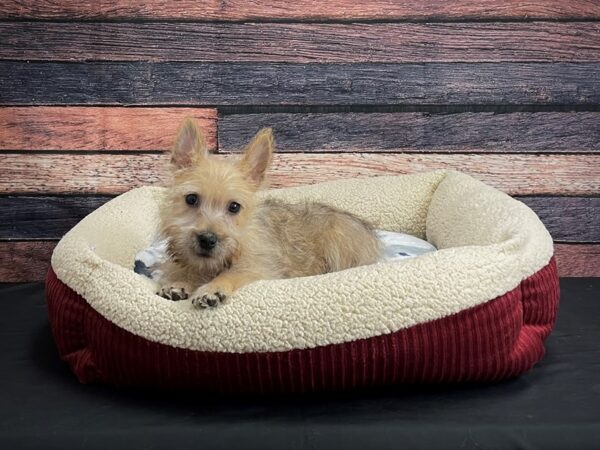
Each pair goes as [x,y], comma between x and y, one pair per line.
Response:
[265,240]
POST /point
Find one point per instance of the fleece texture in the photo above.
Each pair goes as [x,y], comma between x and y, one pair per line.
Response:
[488,244]
[496,340]
[395,247]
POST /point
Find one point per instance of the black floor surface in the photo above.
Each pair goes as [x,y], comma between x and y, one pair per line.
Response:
[557,405]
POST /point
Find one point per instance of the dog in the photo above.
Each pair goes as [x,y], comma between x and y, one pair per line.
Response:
[221,236]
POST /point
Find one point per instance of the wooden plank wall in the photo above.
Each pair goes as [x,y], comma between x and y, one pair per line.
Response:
[91,94]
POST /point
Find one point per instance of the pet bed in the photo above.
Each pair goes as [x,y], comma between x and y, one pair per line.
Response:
[395,247]
[477,309]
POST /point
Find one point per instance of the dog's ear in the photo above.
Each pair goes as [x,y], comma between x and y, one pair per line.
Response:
[189,147]
[258,155]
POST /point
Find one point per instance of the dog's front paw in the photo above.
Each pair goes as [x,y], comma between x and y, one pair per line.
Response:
[209,299]
[173,293]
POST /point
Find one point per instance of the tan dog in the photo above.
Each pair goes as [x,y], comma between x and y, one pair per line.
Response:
[222,237]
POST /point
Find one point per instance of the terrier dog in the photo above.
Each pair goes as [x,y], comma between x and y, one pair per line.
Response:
[221,236]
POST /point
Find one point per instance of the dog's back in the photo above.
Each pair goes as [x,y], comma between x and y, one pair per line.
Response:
[312,238]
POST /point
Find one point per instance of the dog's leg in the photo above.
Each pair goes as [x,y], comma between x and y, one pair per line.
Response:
[175,291]
[169,280]
[216,292]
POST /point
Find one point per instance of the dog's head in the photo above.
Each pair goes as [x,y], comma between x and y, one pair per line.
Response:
[209,204]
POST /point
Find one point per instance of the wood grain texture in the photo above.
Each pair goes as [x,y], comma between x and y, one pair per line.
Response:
[302,43]
[44,217]
[568,219]
[97,129]
[111,174]
[578,260]
[211,84]
[299,10]
[27,261]
[418,132]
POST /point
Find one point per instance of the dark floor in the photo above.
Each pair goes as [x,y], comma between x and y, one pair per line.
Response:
[557,405]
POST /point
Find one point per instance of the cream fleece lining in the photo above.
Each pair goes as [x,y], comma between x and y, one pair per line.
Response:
[487,241]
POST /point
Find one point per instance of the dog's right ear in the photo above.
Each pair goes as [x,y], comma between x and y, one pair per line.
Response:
[258,155]
[189,147]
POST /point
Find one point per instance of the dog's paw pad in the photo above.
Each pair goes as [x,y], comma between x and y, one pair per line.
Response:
[174,294]
[208,300]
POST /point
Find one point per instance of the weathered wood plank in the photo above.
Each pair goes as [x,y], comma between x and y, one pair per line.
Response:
[111,174]
[578,260]
[569,219]
[26,261]
[44,217]
[302,43]
[299,84]
[299,10]
[118,128]
[546,132]
[95,128]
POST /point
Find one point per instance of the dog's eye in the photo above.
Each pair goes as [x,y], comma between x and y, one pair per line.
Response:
[234,207]
[191,199]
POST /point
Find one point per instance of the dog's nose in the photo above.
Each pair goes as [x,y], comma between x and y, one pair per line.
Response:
[207,240]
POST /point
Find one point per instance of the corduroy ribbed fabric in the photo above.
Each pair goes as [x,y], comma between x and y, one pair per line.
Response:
[499,339]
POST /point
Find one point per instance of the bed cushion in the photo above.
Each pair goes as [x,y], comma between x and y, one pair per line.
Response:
[478,309]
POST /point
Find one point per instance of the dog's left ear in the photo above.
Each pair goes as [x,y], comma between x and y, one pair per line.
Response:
[189,147]
[258,155]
